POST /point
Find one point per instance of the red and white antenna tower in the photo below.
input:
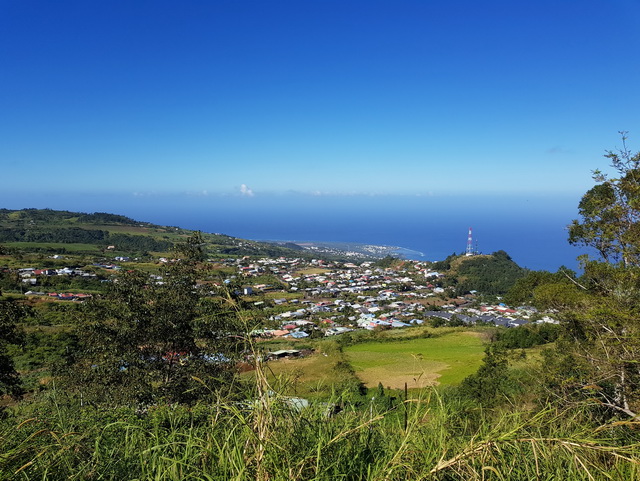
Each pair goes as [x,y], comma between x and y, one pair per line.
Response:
[469,244]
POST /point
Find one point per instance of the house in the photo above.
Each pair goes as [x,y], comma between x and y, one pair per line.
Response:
[299,334]
[337,330]
[399,324]
[278,332]
[283,353]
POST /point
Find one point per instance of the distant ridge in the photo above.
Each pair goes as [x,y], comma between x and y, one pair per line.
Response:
[49,230]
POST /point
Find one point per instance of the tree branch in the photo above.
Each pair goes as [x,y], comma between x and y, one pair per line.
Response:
[573,280]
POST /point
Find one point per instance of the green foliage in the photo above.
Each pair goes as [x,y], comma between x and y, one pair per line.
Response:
[601,312]
[387,261]
[105,218]
[610,211]
[455,321]
[292,246]
[490,275]
[67,235]
[148,342]
[9,280]
[67,283]
[50,226]
[43,230]
[35,215]
[50,216]
[564,374]
[54,313]
[10,314]
[492,383]
[527,336]
[192,249]
[523,292]
[348,387]
[560,297]
[41,349]
[606,332]
[137,243]
[446,438]
[77,235]
[444,265]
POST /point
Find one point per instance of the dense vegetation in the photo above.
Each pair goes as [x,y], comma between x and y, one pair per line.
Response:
[76,235]
[491,274]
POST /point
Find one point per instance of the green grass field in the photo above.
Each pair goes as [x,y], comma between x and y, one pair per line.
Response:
[54,245]
[121,229]
[445,359]
[310,377]
[311,270]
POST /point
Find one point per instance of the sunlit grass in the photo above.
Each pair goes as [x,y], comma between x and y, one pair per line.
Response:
[311,271]
[442,360]
[75,247]
[265,439]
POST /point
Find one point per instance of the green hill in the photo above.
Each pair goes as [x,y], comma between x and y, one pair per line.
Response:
[492,274]
[59,231]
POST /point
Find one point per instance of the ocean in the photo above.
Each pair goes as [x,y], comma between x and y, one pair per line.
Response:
[532,231]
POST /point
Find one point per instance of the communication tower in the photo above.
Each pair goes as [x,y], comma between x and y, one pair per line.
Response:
[469,244]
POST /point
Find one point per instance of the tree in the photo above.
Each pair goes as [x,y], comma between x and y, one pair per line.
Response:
[601,314]
[530,289]
[10,314]
[156,340]
[610,211]
[192,249]
[491,384]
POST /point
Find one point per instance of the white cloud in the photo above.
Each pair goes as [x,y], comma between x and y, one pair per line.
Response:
[198,193]
[246,191]
[144,194]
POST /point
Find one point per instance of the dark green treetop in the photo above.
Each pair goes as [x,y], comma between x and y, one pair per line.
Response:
[10,313]
[155,340]
[610,211]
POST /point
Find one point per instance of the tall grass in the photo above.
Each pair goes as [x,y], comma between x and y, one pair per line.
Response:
[269,437]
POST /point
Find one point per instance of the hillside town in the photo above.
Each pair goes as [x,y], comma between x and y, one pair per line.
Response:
[333,298]
[296,298]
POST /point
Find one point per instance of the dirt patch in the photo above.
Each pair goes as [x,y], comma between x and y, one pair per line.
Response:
[485,335]
[390,378]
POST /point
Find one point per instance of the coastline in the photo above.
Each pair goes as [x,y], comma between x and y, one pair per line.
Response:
[353,248]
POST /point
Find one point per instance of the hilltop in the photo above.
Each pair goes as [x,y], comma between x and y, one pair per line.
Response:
[60,232]
[490,274]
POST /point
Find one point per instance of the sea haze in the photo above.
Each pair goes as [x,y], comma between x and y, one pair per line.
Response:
[532,230]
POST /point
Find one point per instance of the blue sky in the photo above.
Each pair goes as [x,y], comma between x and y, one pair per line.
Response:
[104,105]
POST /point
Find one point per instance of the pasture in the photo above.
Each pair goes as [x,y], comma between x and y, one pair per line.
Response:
[445,359]
[62,246]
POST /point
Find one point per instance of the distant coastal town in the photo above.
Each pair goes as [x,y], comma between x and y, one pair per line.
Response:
[354,249]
